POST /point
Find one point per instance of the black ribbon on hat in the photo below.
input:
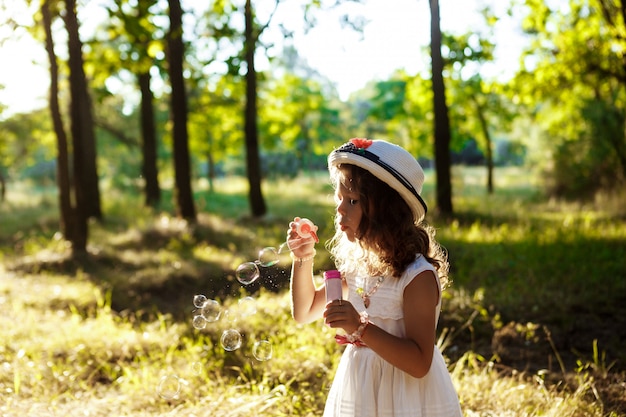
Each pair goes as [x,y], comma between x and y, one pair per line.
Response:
[370,156]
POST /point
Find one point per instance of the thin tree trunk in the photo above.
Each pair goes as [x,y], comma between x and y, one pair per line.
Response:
[149,142]
[184,195]
[78,128]
[3,187]
[210,168]
[82,119]
[442,121]
[488,144]
[253,162]
[63,169]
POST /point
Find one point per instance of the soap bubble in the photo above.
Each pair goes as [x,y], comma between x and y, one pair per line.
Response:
[247,307]
[262,350]
[211,311]
[169,387]
[197,368]
[229,317]
[199,322]
[247,273]
[268,257]
[231,340]
[199,300]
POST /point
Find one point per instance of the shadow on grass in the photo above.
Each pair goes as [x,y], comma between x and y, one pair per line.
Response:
[158,269]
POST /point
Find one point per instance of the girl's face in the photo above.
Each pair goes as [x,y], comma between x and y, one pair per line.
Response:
[349,210]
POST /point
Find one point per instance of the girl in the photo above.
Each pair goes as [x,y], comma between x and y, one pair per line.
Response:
[393,272]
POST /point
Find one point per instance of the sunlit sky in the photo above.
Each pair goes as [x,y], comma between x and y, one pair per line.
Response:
[394,38]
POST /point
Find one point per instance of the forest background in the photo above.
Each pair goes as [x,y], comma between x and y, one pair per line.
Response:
[165,102]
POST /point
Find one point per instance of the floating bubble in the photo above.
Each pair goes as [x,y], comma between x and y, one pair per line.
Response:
[199,322]
[211,311]
[229,317]
[247,273]
[268,257]
[197,368]
[247,307]
[262,350]
[231,340]
[199,300]
[169,387]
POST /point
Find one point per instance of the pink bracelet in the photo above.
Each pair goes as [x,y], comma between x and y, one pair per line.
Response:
[300,260]
[358,333]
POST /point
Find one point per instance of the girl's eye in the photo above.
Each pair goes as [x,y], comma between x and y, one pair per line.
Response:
[354,202]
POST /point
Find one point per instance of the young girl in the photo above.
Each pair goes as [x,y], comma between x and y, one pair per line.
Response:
[393,272]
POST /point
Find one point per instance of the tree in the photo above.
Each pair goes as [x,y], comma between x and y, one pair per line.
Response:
[478,105]
[149,144]
[134,39]
[251,41]
[218,132]
[86,188]
[484,127]
[253,162]
[63,167]
[178,108]
[442,121]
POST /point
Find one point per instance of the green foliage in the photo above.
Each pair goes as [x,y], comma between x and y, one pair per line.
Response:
[573,82]
[25,139]
[297,116]
[589,164]
[388,102]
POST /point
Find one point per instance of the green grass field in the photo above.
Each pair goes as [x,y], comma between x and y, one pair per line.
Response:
[532,325]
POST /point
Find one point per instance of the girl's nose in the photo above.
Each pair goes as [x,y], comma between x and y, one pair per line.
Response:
[341,208]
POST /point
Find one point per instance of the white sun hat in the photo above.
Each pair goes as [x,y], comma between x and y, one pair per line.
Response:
[388,162]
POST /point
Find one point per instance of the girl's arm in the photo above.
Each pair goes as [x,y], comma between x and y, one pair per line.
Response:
[307,301]
[414,353]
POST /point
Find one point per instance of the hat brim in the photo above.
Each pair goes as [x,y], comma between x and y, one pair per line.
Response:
[413,199]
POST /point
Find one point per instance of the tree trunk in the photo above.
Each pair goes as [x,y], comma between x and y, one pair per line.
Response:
[82,119]
[78,128]
[442,121]
[149,142]
[253,162]
[66,221]
[3,187]
[488,145]
[183,192]
[210,168]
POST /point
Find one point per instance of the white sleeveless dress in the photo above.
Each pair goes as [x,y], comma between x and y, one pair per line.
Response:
[366,385]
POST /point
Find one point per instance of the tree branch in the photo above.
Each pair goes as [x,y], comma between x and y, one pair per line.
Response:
[117,133]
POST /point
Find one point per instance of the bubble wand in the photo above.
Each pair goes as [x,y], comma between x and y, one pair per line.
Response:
[304,229]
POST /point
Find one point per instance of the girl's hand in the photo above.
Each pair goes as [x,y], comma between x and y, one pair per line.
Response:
[342,314]
[300,246]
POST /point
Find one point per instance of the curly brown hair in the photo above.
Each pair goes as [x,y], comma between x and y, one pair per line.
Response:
[387,226]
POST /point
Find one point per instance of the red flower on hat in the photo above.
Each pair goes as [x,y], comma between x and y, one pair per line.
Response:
[361,143]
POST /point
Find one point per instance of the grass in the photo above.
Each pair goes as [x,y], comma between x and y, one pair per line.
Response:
[532,324]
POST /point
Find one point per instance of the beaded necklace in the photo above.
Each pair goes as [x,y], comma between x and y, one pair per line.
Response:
[366,295]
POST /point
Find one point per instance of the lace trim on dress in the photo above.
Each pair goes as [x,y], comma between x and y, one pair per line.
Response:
[385,303]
